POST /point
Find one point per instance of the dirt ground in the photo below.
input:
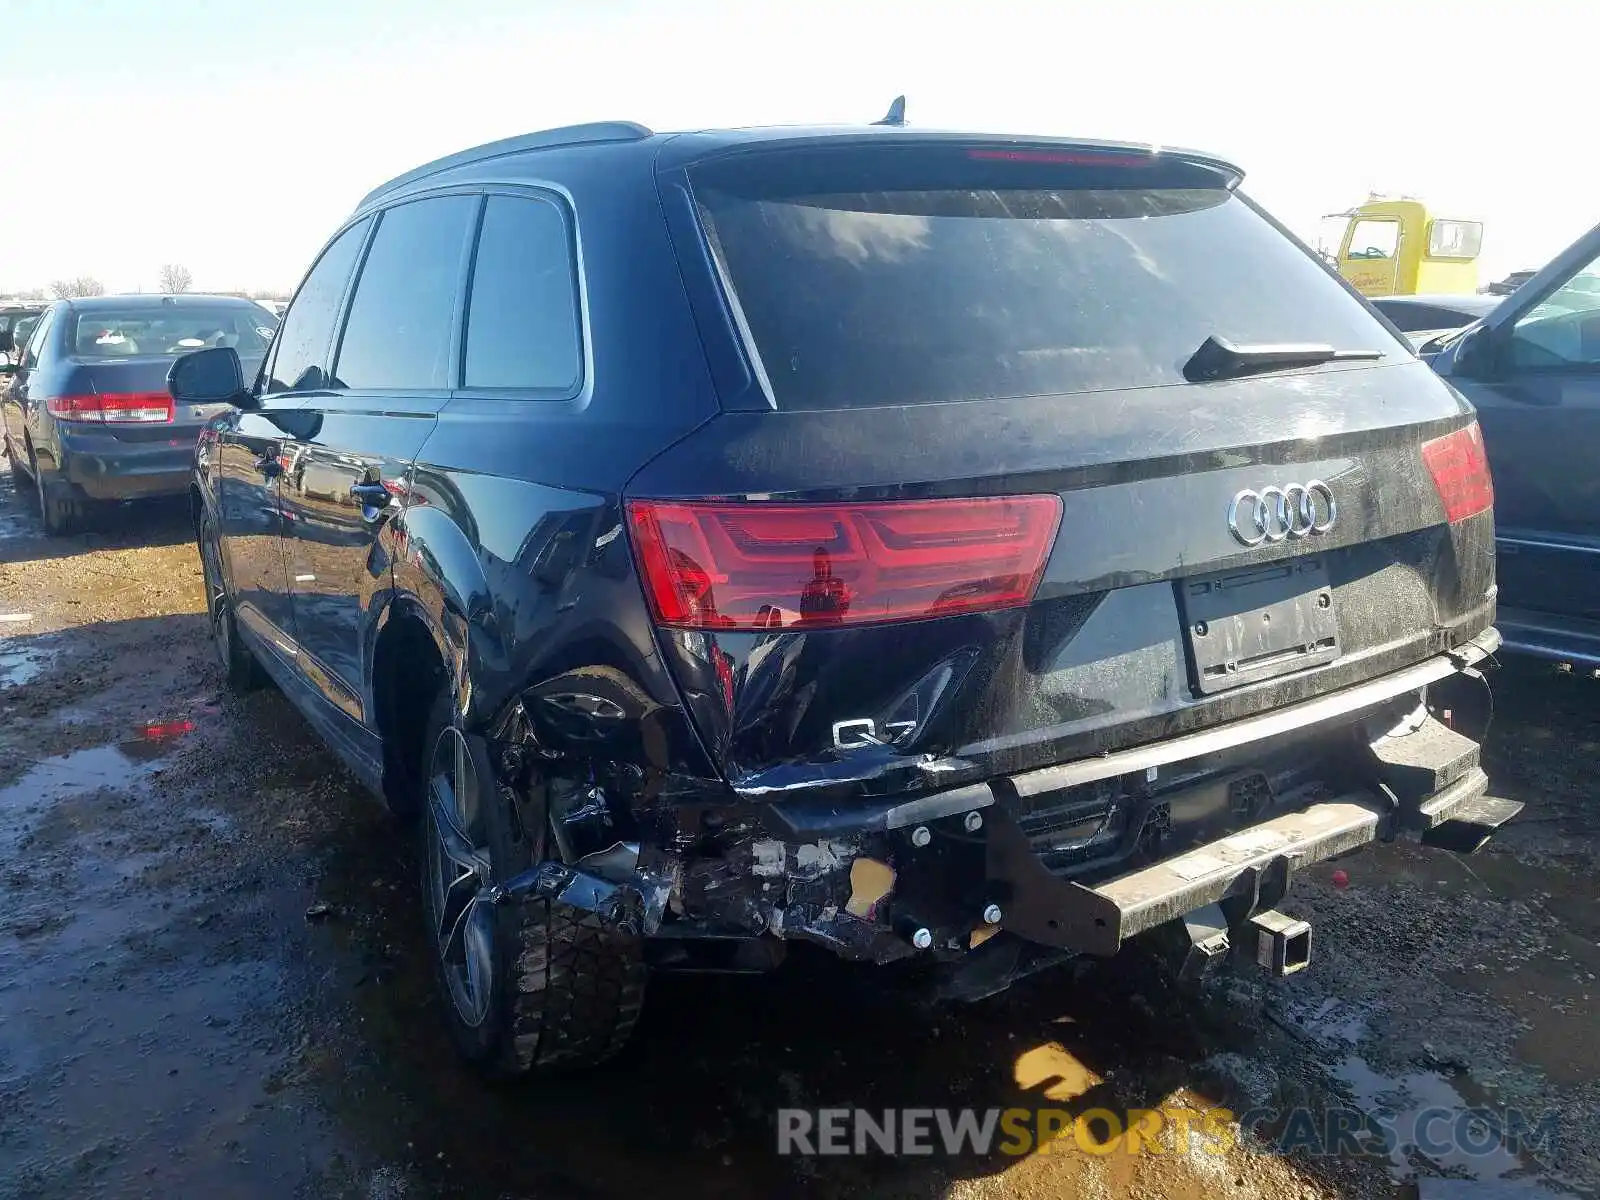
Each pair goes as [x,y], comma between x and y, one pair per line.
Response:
[173,1023]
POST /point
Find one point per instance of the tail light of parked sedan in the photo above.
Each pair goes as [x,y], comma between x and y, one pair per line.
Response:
[772,565]
[109,408]
[1460,471]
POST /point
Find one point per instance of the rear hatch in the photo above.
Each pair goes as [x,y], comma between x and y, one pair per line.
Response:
[1048,450]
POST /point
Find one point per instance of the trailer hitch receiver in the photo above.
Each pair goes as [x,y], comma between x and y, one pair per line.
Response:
[1282,944]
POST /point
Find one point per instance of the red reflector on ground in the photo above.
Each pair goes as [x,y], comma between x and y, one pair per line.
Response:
[766,566]
[112,407]
[160,731]
[1460,471]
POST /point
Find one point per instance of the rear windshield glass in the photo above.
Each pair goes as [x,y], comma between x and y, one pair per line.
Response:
[891,276]
[109,333]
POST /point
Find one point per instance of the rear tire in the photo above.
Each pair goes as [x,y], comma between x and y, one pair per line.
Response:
[529,986]
[62,512]
[239,666]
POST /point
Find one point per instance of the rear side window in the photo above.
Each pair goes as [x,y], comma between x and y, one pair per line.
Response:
[398,333]
[522,315]
[1454,239]
[37,339]
[896,275]
[302,344]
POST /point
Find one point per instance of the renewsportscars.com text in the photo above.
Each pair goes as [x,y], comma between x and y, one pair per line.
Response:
[1017,1131]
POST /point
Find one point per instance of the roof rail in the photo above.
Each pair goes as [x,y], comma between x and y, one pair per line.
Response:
[544,139]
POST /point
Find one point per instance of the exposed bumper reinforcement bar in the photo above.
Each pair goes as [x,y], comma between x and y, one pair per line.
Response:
[1253,866]
[1244,872]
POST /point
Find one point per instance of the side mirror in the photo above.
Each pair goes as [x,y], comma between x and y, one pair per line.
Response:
[212,376]
[1467,354]
[8,368]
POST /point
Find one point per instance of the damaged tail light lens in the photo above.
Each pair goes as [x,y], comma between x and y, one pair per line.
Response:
[766,566]
[1460,471]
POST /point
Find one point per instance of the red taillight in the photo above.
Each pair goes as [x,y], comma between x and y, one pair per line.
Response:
[113,407]
[1460,471]
[767,566]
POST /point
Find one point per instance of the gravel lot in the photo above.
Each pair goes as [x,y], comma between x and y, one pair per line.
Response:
[172,1023]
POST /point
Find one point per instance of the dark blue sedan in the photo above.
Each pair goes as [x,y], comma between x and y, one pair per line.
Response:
[85,414]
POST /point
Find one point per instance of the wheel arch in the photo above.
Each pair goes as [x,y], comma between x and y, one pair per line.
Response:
[410,661]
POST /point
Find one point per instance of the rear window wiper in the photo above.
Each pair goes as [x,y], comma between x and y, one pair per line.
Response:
[1220,359]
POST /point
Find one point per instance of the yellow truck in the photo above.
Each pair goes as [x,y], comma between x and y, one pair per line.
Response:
[1396,247]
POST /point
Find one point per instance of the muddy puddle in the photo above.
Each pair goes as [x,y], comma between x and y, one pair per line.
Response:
[136,1012]
[22,661]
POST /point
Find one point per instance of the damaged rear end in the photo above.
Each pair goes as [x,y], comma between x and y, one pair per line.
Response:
[1074,559]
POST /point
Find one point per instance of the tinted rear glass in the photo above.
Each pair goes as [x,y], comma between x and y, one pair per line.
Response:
[147,330]
[890,276]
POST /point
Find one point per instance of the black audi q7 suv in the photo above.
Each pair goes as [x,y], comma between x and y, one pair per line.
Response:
[975,550]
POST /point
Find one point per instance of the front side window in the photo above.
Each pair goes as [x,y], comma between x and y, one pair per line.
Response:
[21,328]
[522,313]
[1563,330]
[1374,240]
[398,333]
[301,348]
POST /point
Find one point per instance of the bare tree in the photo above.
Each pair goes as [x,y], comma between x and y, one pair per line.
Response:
[83,285]
[175,278]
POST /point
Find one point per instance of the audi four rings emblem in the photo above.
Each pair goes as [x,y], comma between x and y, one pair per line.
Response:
[1275,513]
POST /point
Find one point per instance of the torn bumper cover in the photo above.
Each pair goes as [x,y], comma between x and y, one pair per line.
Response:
[1076,858]
[611,884]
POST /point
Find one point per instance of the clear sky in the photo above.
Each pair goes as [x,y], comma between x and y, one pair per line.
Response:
[233,136]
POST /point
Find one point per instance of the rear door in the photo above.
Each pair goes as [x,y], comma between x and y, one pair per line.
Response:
[981,504]
[251,446]
[1533,372]
[394,366]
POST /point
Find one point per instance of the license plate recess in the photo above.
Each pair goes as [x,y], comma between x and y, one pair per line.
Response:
[1246,626]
